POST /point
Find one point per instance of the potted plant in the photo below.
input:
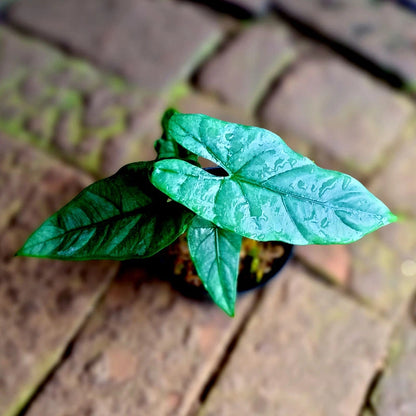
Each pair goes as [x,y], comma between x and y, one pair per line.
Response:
[266,192]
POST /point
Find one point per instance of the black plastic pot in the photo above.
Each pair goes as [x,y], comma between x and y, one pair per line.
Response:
[244,284]
[247,279]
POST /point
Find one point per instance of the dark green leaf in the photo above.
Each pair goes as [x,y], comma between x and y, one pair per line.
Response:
[167,148]
[216,254]
[120,217]
[271,193]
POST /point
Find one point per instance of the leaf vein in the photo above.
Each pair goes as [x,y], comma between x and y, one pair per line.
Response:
[302,197]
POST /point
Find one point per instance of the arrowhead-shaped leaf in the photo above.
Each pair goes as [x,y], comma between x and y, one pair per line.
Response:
[216,254]
[271,193]
[120,217]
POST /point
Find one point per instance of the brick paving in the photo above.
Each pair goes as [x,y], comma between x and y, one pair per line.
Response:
[396,391]
[318,103]
[42,304]
[263,51]
[68,107]
[151,43]
[316,356]
[380,31]
[145,351]
[82,87]
[394,183]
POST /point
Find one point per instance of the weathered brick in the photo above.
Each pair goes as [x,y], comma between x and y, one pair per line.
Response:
[395,183]
[306,351]
[146,351]
[333,261]
[241,73]
[400,237]
[137,141]
[338,110]
[151,43]
[382,262]
[195,102]
[379,30]
[42,302]
[395,392]
[88,118]
[380,267]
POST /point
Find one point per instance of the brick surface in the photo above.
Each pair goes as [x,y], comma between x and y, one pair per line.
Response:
[93,120]
[151,43]
[306,351]
[309,348]
[396,390]
[241,73]
[396,183]
[42,302]
[333,261]
[381,31]
[381,267]
[327,103]
[146,351]
[196,102]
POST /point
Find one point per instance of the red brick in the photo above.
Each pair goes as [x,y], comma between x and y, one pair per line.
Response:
[88,118]
[395,391]
[146,351]
[395,183]
[380,272]
[340,111]
[307,351]
[195,102]
[241,73]
[333,261]
[381,31]
[42,302]
[151,43]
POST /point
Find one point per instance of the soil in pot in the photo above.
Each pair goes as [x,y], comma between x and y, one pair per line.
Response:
[259,262]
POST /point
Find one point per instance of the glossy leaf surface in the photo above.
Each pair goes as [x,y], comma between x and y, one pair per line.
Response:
[120,217]
[216,254]
[271,193]
[168,148]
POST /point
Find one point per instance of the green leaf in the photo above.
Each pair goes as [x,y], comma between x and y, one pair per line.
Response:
[168,148]
[271,193]
[216,254]
[120,217]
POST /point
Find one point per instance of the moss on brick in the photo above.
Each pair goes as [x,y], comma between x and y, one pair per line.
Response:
[48,99]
